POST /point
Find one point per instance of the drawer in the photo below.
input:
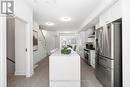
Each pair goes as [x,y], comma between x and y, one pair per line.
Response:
[104,75]
[106,62]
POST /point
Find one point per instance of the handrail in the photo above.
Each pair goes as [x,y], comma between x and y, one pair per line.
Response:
[45,40]
[43,37]
[10,60]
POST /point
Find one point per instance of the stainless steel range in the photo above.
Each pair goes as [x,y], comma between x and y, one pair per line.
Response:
[109,55]
[87,56]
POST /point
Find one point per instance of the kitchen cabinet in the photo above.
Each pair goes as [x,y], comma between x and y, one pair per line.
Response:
[63,69]
[116,11]
[89,57]
[111,14]
[83,37]
[105,18]
[92,58]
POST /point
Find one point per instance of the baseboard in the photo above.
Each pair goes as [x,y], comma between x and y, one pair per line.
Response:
[35,66]
[20,73]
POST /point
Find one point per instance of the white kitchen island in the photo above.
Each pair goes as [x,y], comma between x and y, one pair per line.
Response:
[64,70]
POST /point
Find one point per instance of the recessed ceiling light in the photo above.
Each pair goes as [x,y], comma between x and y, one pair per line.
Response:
[49,23]
[47,1]
[66,19]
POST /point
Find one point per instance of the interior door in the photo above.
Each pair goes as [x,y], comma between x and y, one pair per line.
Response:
[20,46]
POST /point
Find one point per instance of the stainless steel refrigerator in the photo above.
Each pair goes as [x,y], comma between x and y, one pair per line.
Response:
[109,54]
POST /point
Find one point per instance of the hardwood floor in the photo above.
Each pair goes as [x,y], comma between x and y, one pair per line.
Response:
[88,76]
[41,77]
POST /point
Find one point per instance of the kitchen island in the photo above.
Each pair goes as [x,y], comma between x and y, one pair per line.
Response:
[64,69]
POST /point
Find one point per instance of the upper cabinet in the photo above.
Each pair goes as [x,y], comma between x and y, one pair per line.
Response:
[116,11]
[111,14]
[105,18]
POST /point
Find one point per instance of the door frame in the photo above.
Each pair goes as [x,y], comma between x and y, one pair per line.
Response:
[3,66]
[27,45]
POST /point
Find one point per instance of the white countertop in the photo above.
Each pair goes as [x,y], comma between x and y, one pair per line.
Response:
[58,53]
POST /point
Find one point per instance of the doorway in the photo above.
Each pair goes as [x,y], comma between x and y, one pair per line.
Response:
[16,48]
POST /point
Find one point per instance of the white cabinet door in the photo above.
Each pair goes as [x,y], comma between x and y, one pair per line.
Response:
[64,70]
[105,18]
[111,14]
[92,56]
[64,67]
[116,11]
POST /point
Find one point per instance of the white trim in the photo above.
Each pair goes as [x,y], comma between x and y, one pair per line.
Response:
[20,73]
[3,73]
[126,42]
[29,63]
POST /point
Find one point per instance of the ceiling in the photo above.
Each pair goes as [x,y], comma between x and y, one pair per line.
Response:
[53,10]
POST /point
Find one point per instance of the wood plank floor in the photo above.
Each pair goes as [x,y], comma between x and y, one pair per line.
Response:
[41,77]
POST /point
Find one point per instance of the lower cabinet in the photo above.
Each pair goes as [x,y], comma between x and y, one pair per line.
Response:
[92,58]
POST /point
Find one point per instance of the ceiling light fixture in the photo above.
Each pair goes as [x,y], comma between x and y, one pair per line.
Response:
[66,19]
[49,1]
[49,23]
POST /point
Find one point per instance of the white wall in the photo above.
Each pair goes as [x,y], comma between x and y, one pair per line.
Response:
[24,11]
[126,42]
[41,52]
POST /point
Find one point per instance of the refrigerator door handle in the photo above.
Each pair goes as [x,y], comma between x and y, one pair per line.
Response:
[100,41]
